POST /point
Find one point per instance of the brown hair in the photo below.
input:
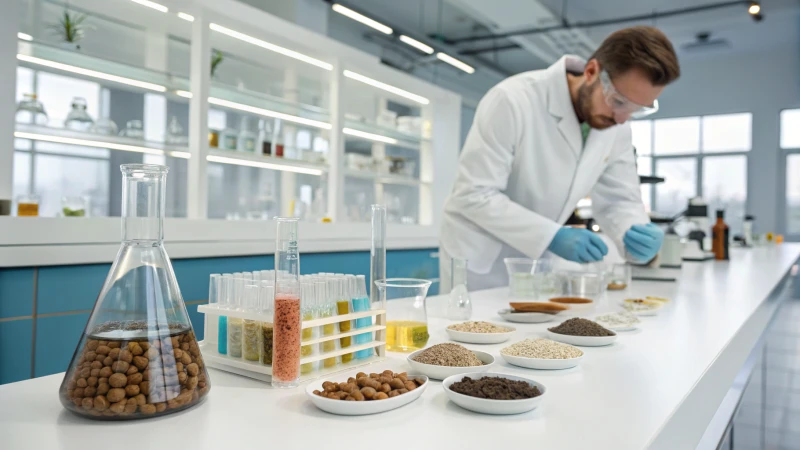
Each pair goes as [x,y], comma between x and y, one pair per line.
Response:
[643,48]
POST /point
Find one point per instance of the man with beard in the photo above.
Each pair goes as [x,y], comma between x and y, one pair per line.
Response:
[544,139]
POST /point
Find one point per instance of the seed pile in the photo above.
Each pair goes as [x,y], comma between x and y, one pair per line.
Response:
[375,386]
[618,320]
[450,355]
[542,349]
[581,327]
[495,388]
[479,327]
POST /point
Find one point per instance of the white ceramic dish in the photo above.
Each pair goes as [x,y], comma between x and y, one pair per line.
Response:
[540,363]
[486,406]
[344,408]
[582,341]
[525,317]
[442,372]
[480,338]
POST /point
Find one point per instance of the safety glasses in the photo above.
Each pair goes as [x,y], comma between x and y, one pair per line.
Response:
[620,104]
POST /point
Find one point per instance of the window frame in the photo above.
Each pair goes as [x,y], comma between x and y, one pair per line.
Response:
[783,162]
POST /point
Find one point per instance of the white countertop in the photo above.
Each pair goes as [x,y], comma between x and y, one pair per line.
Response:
[654,388]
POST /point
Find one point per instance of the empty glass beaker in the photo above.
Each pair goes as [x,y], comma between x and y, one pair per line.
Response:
[407,320]
[459,305]
[532,278]
[138,356]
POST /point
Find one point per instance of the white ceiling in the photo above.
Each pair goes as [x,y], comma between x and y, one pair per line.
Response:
[459,18]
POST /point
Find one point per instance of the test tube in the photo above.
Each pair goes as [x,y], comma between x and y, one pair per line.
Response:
[343,308]
[226,290]
[267,297]
[251,334]
[325,310]
[360,304]
[377,255]
[235,324]
[287,318]
[307,311]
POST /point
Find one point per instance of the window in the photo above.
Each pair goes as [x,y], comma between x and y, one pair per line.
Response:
[793,194]
[698,156]
[790,128]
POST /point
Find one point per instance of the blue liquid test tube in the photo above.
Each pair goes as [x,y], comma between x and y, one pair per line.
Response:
[361,303]
[225,293]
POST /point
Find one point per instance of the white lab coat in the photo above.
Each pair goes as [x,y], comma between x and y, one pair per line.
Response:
[522,171]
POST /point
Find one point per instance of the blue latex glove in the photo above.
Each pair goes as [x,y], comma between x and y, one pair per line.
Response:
[579,245]
[643,241]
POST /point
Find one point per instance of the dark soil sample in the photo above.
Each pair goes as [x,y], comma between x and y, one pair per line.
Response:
[581,327]
[493,388]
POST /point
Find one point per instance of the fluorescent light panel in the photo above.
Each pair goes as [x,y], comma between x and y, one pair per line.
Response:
[184,94]
[262,165]
[271,47]
[345,11]
[91,73]
[88,143]
[425,48]
[187,17]
[370,136]
[268,113]
[455,63]
[386,87]
[154,5]
[177,154]
[24,36]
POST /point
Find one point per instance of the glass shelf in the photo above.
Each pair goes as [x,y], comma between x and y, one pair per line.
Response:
[265,162]
[383,178]
[379,133]
[37,55]
[62,136]
[268,106]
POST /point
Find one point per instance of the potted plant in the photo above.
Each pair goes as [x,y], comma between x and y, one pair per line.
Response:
[216,60]
[70,29]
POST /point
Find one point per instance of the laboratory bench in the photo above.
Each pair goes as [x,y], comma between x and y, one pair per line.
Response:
[659,387]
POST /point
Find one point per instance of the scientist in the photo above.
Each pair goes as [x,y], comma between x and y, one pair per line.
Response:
[544,139]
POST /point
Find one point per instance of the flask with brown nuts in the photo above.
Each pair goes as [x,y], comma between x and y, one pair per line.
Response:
[138,356]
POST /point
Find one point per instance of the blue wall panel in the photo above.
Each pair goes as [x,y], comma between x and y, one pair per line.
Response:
[70,288]
[56,340]
[16,340]
[16,292]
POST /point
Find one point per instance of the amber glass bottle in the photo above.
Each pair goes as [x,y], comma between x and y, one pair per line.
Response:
[720,233]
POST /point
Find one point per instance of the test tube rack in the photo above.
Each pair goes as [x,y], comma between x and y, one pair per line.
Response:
[263,372]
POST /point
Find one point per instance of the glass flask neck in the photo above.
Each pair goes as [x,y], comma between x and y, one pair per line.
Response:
[143,202]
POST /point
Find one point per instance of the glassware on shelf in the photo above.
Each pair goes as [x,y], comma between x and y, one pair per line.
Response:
[287,318]
[459,305]
[31,110]
[175,135]
[407,320]
[264,140]
[138,356]
[228,139]
[75,206]
[105,126]
[78,118]
[28,205]
[133,129]
[247,139]
[213,138]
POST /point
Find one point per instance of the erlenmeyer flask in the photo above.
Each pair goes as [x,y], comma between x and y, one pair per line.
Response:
[138,356]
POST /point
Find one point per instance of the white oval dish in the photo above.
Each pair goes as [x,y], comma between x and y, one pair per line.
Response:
[541,363]
[582,341]
[525,317]
[486,406]
[441,372]
[480,338]
[344,408]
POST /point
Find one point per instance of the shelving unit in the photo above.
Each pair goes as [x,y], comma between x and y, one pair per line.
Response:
[265,162]
[384,178]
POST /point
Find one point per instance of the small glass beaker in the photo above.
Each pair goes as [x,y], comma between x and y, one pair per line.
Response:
[583,284]
[78,119]
[407,320]
[105,126]
[619,277]
[175,134]
[459,305]
[75,206]
[531,278]
[30,110]
[28,205]
[133,129]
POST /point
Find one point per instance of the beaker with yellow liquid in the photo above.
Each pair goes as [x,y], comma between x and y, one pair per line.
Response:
[407,320]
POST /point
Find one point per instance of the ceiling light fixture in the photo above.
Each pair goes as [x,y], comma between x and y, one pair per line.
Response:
[88,143]
[183,155]
[754,8]
[455,63]
[24,36]
[90,73]
[184,94]
[271,47]
[386,87]
[154,5]
[262,165]
[345,11]
[425,48]
[186,17]
[370,136]
[268,113]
